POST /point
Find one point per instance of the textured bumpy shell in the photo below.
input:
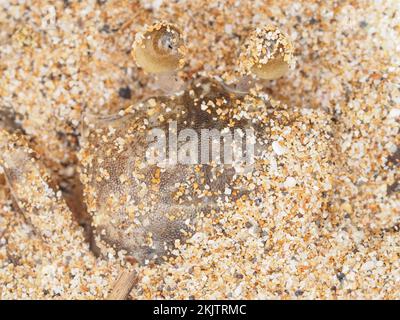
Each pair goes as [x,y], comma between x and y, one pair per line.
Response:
[144,209]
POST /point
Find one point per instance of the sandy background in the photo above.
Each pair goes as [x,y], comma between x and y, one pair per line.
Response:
[61,58]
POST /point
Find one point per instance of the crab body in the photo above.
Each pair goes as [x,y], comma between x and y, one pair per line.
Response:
[145,208]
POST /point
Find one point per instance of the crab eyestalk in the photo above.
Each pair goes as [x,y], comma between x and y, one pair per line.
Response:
[267,54]
[160,48]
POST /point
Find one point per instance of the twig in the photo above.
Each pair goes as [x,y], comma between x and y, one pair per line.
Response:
[123,285]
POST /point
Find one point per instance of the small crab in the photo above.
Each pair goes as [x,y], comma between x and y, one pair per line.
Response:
[143,209]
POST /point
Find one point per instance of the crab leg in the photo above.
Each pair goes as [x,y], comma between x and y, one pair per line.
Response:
[42,206]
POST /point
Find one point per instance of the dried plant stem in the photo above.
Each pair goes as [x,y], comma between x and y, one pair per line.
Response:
[123,285]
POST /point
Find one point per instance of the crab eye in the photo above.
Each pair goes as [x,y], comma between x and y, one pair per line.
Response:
[160,48]
[267,53]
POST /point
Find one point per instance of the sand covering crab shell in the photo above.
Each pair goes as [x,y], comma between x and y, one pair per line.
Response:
[144,210]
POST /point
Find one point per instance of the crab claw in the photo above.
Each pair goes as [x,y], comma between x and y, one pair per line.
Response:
[41,205]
